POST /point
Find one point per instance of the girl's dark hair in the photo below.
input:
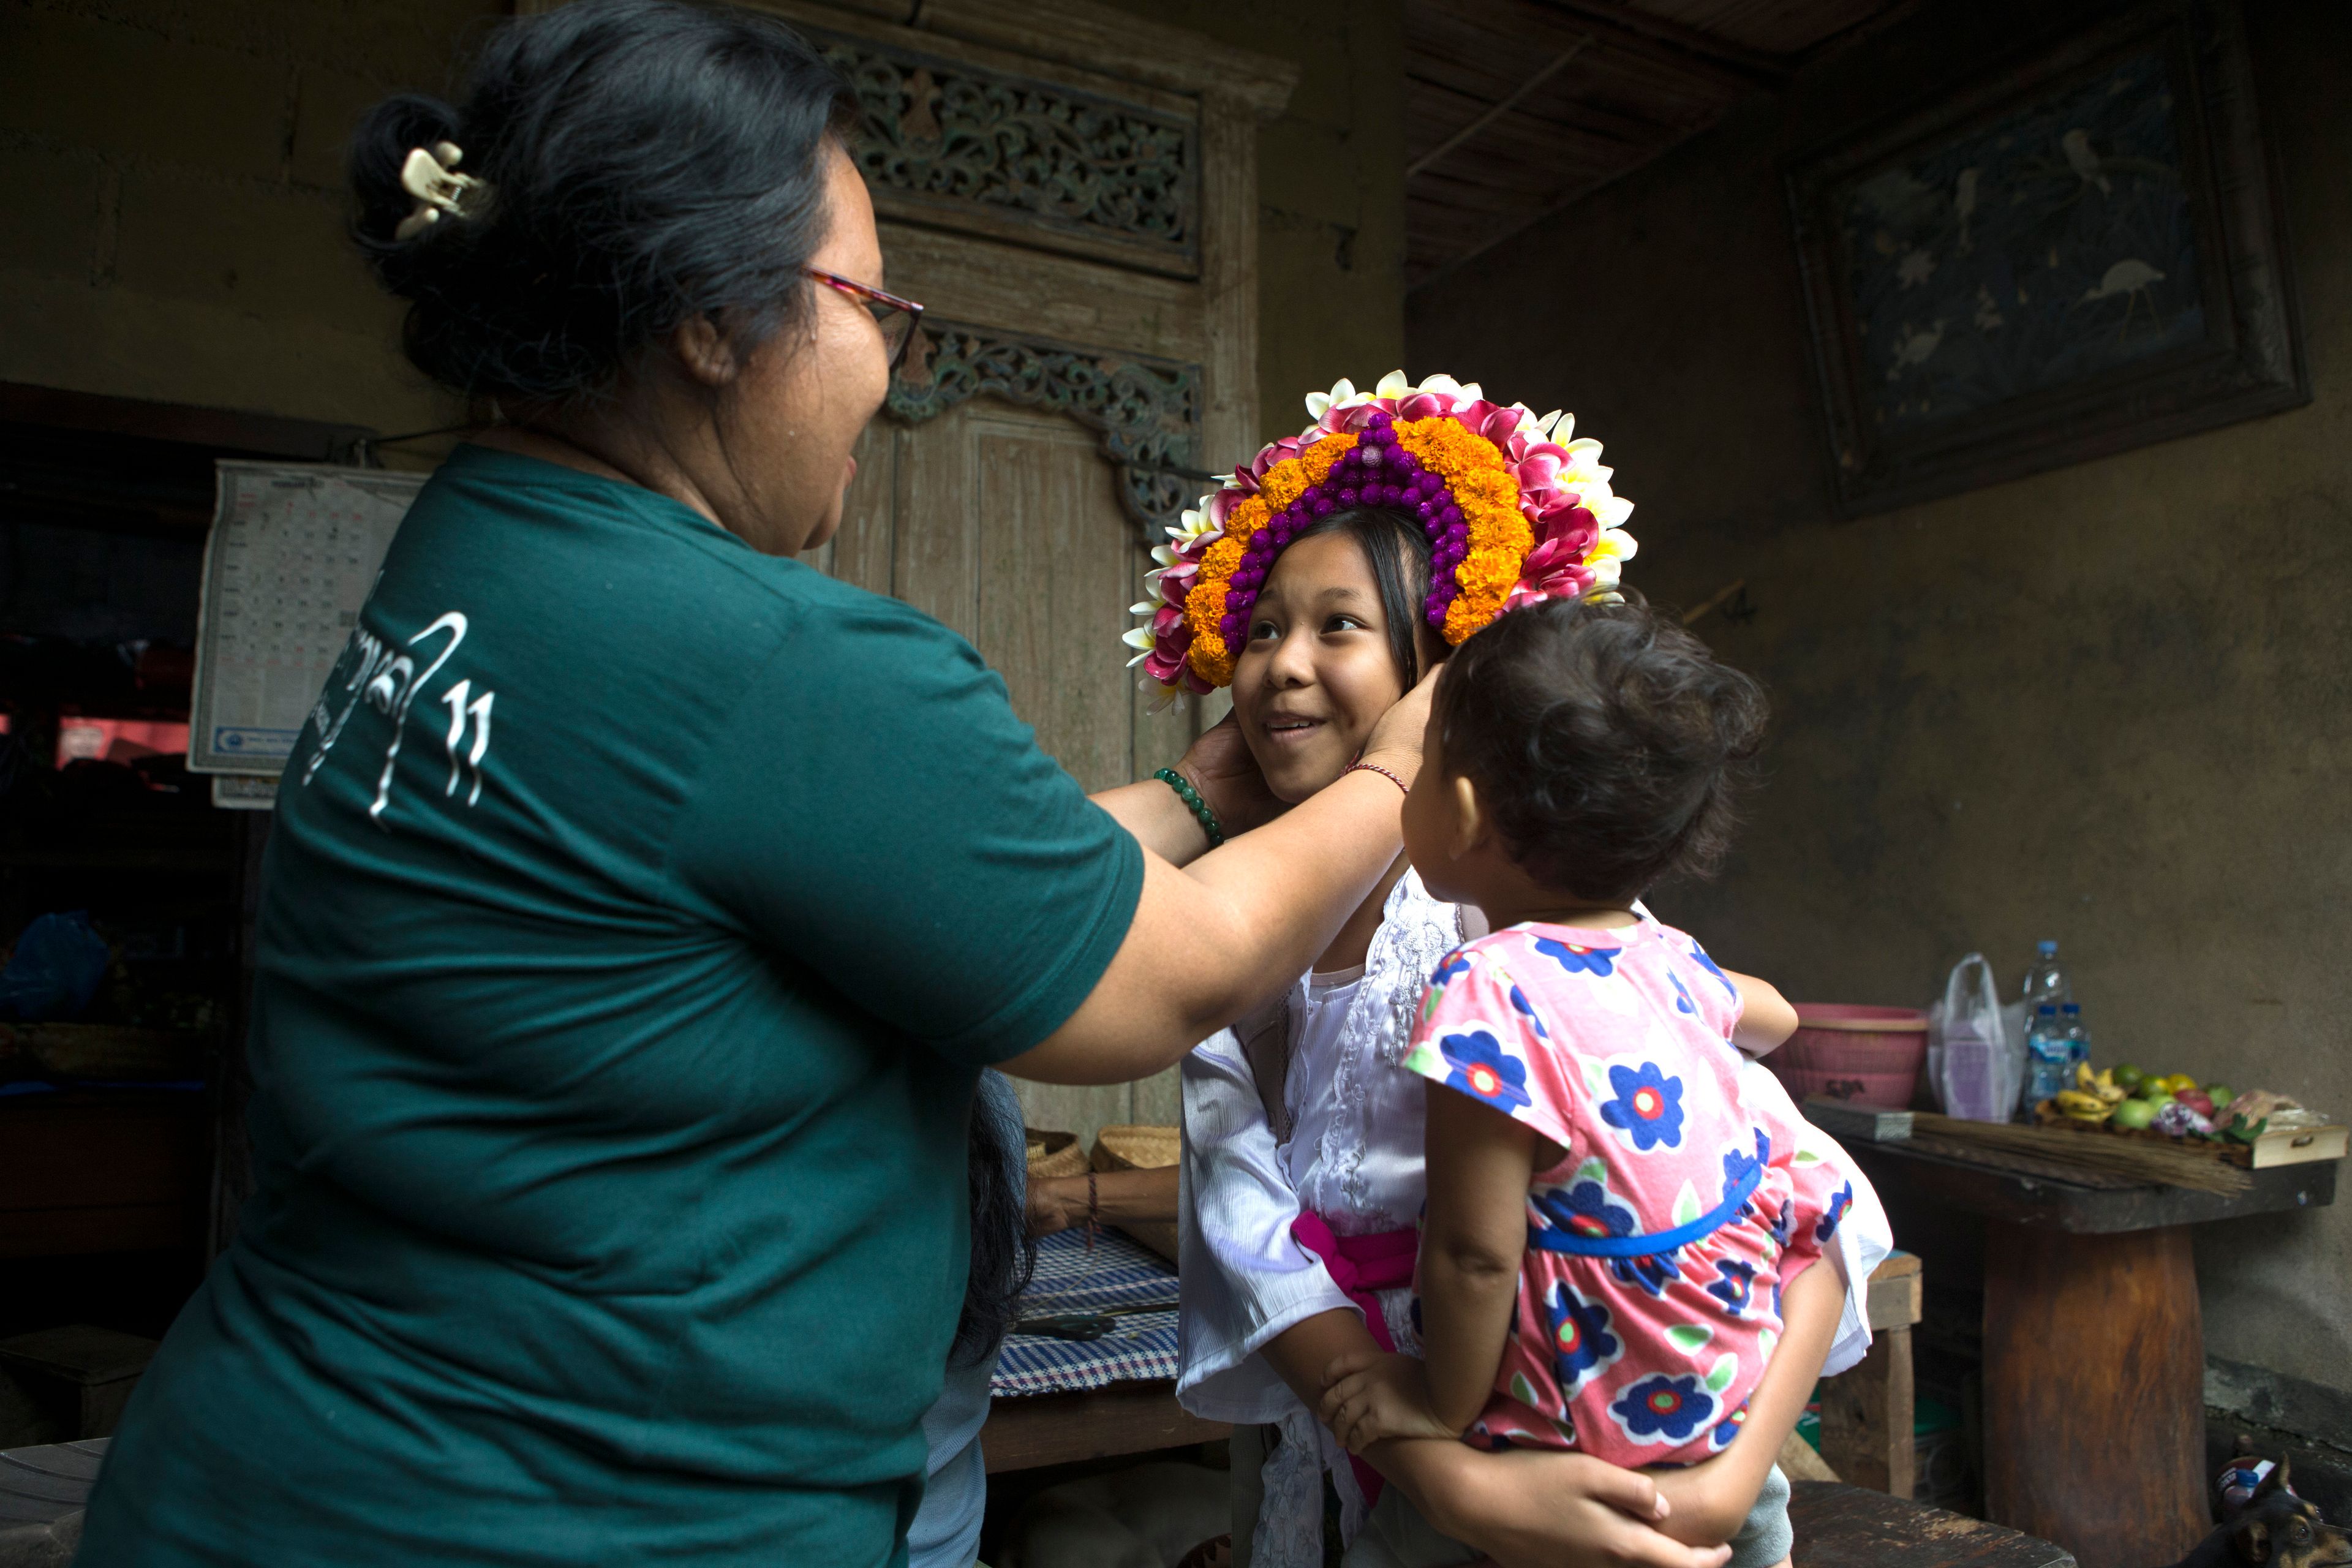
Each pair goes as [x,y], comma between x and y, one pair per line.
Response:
[1399,553]
[647,162]
[1606,740]
[1003,1253]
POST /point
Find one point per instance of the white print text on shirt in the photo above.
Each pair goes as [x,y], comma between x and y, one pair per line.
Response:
[386,678]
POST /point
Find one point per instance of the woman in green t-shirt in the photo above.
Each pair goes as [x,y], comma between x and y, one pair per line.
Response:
[642,904]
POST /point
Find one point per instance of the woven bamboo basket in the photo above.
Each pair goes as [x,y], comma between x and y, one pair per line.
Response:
[1127,1146]
[1053,1154]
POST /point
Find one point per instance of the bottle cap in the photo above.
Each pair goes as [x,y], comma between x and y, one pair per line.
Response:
[2070,1009]
[2047,948]
[2047,1010]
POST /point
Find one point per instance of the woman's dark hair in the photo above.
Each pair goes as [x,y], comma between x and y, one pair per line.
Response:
[1606,740]
[1399,555]
[647,162]
[1003,1253]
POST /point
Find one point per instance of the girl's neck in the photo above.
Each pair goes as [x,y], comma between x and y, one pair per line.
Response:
[1355,939]
[1556,911]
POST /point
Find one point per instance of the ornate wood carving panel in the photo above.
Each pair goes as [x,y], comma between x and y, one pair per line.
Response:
[1146,410]
[961,144]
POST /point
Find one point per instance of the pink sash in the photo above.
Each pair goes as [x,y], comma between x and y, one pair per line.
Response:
[1359,1265]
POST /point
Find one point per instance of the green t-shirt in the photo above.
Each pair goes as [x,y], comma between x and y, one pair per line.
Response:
[638,913]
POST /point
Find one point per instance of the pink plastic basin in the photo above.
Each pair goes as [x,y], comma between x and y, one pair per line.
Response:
[1871,1056]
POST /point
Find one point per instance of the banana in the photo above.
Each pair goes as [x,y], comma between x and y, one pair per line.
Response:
[2081,1107]
[2101,1083]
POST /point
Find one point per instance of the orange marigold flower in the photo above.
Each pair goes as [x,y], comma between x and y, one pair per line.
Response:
[1284,483]
[1242,522]
[1442,445]
[1319,459]
[1464,618]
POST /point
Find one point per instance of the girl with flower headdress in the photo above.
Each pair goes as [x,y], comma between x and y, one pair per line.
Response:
[1319,584]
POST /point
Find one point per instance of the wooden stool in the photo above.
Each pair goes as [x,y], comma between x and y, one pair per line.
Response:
[1848,1527]
[1868,1409]
[80,1376]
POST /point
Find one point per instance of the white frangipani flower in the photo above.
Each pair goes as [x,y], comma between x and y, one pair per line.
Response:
[1612,511]
[1190,525]
[1392,384]
[1318,404]
[1614,546]
[1136,638]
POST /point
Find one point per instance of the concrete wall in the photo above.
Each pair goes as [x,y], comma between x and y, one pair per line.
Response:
[175,227]
[2105,704]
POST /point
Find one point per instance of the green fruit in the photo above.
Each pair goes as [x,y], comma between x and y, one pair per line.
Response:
[2156,1094]
[2221,1094]
[2128,1079]
[2134,1115]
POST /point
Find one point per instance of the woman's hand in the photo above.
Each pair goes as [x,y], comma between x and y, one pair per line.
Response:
[1115,1198]
[1395,740]
[1530,1509]
[1366,1398]
[1219,765]
[1055,1205]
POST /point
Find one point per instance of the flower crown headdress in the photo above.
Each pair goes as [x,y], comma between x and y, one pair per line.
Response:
[1514,510]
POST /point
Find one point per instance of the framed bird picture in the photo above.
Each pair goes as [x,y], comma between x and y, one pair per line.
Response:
[2078,254]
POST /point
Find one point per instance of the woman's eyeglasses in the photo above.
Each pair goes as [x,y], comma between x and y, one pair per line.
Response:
[897,318]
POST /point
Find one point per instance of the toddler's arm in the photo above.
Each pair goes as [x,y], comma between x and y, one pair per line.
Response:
[1473,1237]
[1711,1498]
[1766,1018]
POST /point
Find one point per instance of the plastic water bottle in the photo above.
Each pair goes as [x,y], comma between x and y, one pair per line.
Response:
[2049,1056]
[2078,1038]
[2047,980]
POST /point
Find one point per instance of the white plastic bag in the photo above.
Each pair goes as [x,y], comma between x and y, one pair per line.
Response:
[1976,1073]
[2012,1021]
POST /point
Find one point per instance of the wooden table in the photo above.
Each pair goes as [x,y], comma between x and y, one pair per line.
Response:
[1040,1429]
[2094,1344]
[1851,1527]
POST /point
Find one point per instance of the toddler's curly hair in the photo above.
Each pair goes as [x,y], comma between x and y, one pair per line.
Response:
[1607,740]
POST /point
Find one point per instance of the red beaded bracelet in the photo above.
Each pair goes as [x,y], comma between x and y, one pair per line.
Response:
[1376,768]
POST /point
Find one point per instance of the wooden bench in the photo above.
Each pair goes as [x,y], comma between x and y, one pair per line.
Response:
[1852,1527]
[1867,1410]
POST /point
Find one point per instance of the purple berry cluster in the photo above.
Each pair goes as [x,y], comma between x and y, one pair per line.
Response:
[1377,471]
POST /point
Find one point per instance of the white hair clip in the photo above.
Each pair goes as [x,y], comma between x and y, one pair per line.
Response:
[432,178]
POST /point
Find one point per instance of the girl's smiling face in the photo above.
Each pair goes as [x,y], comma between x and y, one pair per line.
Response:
[1318,670]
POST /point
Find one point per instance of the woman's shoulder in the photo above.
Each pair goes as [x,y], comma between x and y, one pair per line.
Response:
[596,523]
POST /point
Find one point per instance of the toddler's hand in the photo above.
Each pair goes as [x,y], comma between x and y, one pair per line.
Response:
[1368,1397]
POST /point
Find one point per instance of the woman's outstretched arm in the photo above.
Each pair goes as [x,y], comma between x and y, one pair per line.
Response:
[1211,939]
[1219,768]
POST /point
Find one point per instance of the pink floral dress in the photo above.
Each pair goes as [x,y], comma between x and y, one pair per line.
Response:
[1657,1247]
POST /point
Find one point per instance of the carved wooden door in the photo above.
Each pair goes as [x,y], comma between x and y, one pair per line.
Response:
[1072,194]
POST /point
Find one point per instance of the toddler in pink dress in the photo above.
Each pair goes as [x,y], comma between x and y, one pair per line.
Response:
[1615,1212]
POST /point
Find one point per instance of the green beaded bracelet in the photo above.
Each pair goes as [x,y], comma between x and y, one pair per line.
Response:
[1192,801]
